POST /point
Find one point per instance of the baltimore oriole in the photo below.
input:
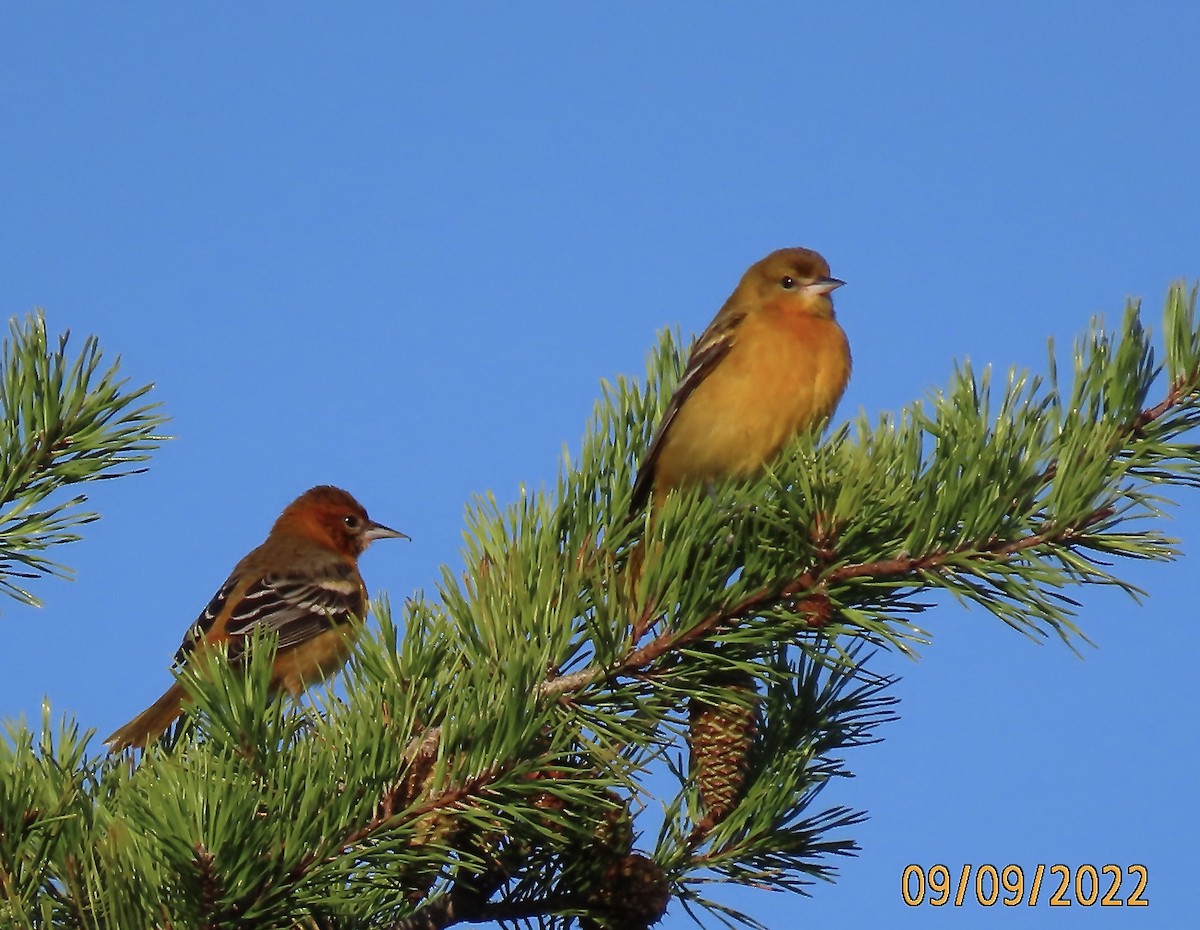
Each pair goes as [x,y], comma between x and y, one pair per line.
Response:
[773,363]
[302,583]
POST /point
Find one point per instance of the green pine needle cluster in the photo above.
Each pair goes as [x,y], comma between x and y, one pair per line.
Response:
[63,421]
[512,747]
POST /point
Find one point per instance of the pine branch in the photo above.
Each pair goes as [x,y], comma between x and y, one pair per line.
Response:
[62,422]
[811,602]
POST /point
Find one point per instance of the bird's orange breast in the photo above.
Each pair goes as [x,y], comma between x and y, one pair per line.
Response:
[312,661]
[784,374]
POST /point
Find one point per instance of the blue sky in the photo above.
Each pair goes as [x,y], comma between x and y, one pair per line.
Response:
[396,249]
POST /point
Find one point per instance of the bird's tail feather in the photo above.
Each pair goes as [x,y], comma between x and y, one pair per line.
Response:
[149,723]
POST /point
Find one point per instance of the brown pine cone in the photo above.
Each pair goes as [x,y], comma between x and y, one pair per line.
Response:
[719,739]
[633,895]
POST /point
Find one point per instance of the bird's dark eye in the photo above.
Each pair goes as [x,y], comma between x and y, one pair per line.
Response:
[787,282]
[351,521]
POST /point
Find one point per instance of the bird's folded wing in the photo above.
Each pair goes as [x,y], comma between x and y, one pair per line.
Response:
[297,607]
[712,346]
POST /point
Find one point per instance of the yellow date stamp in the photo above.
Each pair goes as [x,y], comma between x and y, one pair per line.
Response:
[1057,885]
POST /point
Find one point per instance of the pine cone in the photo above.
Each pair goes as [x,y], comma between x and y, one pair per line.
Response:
[614,833]
[633,895]
[434,828]
[719,739]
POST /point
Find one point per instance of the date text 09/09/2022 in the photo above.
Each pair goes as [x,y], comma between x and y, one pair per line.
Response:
[1058,885]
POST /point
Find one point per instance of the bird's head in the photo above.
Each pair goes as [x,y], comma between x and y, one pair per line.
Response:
[793,280]
[334,517]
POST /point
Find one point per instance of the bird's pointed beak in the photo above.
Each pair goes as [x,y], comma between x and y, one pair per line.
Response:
[825,285]
[379,531]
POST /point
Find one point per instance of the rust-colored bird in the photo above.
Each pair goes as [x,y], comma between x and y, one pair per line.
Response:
[772,364]
[302,583]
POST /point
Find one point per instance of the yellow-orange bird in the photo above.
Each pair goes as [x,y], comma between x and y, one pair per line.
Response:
[773,363]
